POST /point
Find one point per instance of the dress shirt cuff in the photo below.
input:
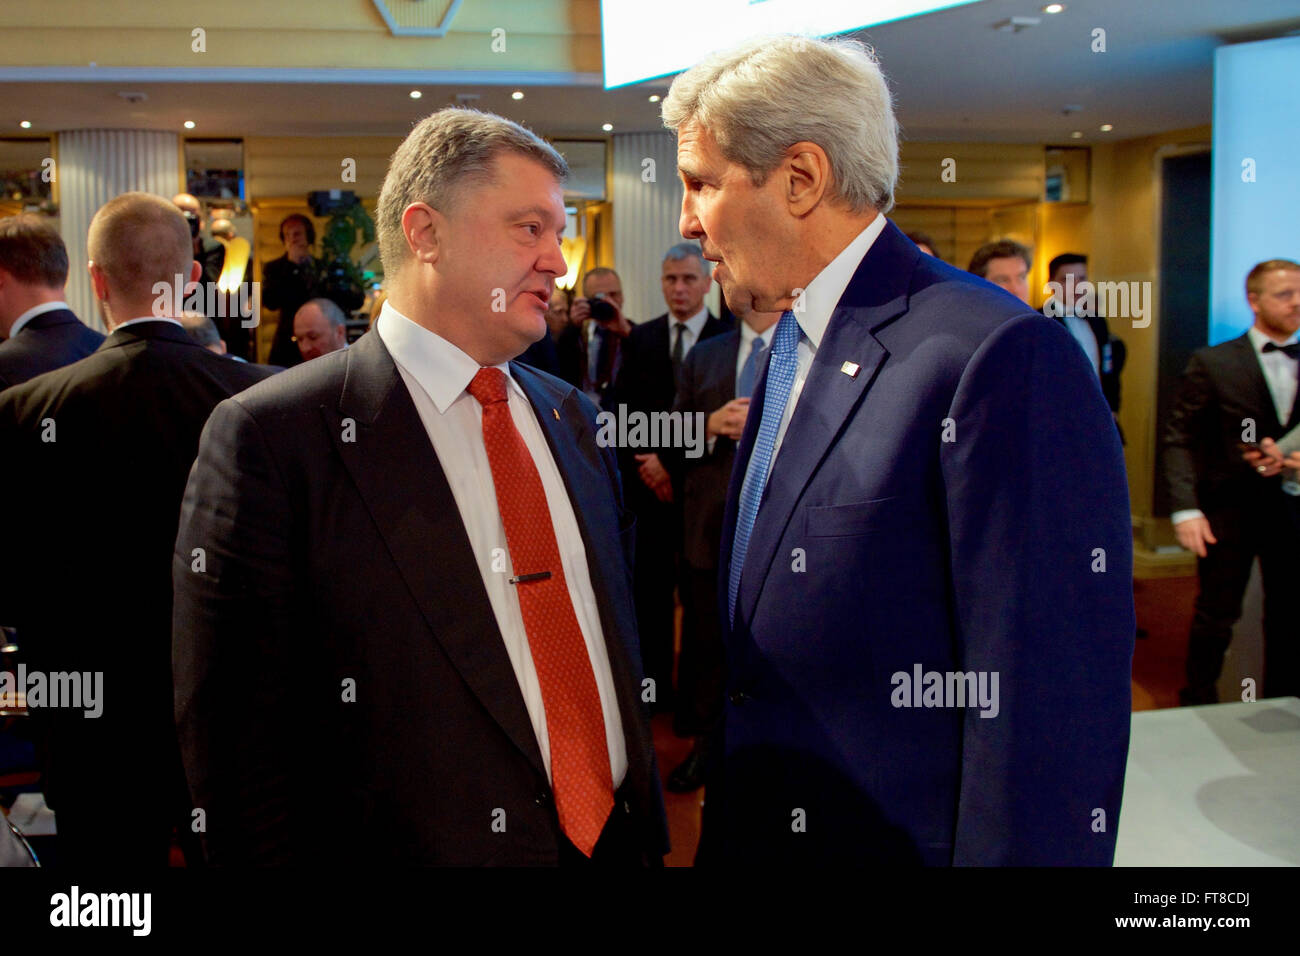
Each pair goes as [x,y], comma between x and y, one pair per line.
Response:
[1178,517]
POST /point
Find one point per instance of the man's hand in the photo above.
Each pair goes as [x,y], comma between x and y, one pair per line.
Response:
[1268,460]
[729,420]
[1194,534]
[655,477]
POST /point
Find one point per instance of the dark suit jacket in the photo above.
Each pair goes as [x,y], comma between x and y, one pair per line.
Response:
[1112,353]
[918,514]
[708,382]
[286,286]
[49,341]
[1222,389]
[337,553]
[96,457]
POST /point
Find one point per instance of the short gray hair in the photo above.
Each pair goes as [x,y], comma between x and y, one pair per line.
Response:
[764,96]
[687,250]
[444,151]
[328,308]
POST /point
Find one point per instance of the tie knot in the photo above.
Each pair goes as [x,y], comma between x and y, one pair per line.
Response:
[786,336]
[488,386]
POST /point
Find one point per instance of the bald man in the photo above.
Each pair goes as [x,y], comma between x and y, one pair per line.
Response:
[96,457]
[319,327]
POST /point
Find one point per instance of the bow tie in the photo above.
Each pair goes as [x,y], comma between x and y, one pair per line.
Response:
[1292,350]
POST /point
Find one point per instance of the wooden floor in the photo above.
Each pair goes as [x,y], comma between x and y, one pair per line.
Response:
[1164,611]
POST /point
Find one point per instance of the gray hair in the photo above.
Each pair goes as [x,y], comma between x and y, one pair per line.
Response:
[328,308]
[687,250]
[444,151]
[201,329]
[764,96]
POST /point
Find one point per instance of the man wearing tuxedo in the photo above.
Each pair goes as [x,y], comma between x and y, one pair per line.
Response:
[716,381]
[96,455]
[652,359]
[1229,511]
[38,330]
[928,644]
[413,640]
[1105,352]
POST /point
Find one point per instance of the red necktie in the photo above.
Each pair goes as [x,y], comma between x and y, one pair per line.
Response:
[575,724]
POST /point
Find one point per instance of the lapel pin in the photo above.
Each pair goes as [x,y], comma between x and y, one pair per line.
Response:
[556,413]
[850,369]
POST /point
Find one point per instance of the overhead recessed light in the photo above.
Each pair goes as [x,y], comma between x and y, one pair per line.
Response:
[1054,8]
[416,94]
[607,127]
[189,124]
[26,124]
[654,97]
[1105,127]
[517,95]
[1077,134]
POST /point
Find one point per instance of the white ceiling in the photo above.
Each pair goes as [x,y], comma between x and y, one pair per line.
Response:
[954,77]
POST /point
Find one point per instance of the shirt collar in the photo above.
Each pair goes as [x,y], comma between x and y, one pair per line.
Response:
[146,318]
[1259,339]
[440,368]
[814,307]
[32,313]
[695,323]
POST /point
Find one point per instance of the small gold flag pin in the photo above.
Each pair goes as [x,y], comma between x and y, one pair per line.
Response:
[556,413]
[850,369]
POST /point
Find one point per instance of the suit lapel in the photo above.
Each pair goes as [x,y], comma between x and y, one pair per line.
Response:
[875,295]
[1258,395]
[401,481]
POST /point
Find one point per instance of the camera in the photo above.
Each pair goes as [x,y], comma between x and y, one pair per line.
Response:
[601,310]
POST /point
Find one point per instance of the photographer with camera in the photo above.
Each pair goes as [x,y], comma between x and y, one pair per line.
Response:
[208,253]
[288,282]
[591,351]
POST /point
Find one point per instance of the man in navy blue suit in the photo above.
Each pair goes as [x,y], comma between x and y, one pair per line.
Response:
[40,333]
[929,631]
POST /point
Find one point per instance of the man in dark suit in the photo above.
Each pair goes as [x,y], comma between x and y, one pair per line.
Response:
[1229,511]
[38,329]
[928,644]
[108,442]
[717,380]
[647,383]
[288,282]
[422,555]
[591,349]
[1066,274]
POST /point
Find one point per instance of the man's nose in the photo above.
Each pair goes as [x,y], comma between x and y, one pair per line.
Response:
[689,224]
[553,260]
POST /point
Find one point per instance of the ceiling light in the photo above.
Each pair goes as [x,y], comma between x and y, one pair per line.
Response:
[416,94]
[189,124]
[1105,127]
[1054,8]
[654,97]
[607,127]
[517,95]
[1077,134]
[26,124]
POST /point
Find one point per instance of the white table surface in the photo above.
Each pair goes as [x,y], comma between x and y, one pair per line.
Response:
[1217,785]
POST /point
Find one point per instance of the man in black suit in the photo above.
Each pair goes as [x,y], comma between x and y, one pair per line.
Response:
[40,332]
[288,282]
[1066,275]
[1229,511]
[591,349]
[108,442]
[717,379]
[647,383]
[423,558]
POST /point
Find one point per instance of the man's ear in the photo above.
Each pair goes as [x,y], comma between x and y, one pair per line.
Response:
[98,281]
[805,177]
[424,228]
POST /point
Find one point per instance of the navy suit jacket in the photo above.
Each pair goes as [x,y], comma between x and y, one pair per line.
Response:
[924,509]
[50,340]
[336,550]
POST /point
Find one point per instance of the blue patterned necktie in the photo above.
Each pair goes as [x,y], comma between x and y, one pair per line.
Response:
[780,378]
[749,371]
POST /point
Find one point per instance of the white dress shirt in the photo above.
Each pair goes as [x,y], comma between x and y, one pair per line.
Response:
[437,374]
[32,313]
[813,310]
[145,318]
[691,330]
[1086,338]
[1280,375]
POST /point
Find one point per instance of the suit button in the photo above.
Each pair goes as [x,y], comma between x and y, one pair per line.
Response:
[627,808]
[542,799]
[739,697]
